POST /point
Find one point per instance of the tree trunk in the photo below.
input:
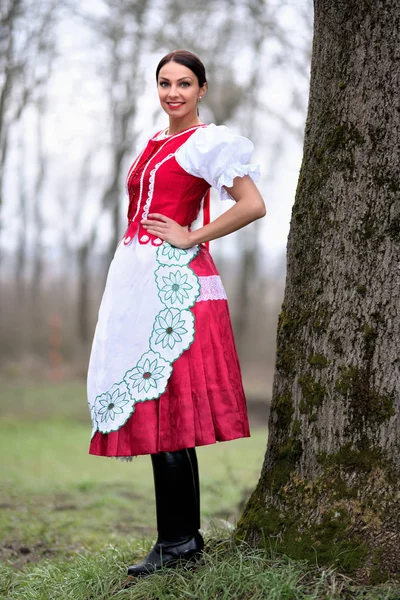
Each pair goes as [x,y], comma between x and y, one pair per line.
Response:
[329,486]
[247,274]
[38,219]
[21,251]
[7,28]
[83,294]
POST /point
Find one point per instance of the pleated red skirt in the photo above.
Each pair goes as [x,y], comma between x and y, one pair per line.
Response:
[204,401]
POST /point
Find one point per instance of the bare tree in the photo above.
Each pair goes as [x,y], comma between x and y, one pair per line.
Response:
[38,217]
[234,94]
[123,31]
[181,23]
[9,14]
[128,32]
[21,254]
[24,41]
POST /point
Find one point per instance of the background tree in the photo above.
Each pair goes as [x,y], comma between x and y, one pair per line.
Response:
[123,31]
[86,74]
[237,95]
[26,46]
[329,486]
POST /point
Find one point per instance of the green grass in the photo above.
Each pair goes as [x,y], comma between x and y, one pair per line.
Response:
[54,493]
[70,523]
[56,499]
[226,572]
[43,400]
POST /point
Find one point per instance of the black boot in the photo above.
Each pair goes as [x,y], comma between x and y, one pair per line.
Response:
[176,482]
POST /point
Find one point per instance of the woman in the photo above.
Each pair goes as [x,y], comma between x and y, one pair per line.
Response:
[164,376]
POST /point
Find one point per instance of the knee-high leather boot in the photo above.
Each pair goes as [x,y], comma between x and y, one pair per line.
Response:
[176,482]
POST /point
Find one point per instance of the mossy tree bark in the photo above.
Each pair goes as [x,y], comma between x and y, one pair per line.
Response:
[330,485]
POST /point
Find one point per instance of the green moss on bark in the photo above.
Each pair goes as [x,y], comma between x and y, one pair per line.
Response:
[336,343]
[366,406]
[350,459]
[334,151]
[312,395]
[327,541]
[291,325]
[296,427]
[318,360]
[284,410]
[369,333]
[287,456]
[336,520]
[257,518]
[361,289]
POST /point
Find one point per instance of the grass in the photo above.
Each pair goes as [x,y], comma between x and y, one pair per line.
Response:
[56,499]
[55,494]
[70,523]
[226,572]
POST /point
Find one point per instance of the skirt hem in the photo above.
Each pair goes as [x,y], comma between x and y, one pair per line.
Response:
[198,445]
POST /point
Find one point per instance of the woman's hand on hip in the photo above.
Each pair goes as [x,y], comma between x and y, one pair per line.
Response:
[167,229]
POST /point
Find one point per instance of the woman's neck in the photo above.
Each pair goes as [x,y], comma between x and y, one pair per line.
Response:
[176,126]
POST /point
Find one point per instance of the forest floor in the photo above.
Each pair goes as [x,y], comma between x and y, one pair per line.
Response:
[70,523]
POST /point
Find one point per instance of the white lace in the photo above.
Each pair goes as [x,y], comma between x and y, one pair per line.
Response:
[141,183]
[211,289]
[227,178]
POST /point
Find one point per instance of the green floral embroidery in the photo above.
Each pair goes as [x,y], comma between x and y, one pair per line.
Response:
[169,328]
[149,378]
[173,333]
[175,288]
[111,405]
[178,286]
[146,376]
[171,252]
[171,256]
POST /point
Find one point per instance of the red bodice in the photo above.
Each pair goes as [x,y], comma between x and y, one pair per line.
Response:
[156,183]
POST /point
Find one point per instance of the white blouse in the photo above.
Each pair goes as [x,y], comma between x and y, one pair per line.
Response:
[217,155]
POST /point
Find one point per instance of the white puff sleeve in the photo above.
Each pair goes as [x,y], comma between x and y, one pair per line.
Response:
[218,156]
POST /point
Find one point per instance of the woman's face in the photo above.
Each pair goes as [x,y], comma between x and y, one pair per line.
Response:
[179,90]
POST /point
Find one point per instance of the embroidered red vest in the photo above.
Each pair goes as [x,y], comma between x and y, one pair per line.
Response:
[156,183]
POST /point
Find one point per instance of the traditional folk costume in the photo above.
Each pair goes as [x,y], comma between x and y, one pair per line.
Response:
[164,375]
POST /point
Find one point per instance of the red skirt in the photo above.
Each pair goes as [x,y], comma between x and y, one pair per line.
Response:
[204,401]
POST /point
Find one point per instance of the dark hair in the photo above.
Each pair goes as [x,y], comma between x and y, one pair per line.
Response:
[187,59]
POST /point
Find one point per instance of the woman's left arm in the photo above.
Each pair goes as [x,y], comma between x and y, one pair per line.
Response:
[249,207]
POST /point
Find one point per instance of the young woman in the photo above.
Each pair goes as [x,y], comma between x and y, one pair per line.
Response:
[164,375]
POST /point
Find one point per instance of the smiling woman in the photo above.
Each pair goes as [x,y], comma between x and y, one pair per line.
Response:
[164,375]
[180,87]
